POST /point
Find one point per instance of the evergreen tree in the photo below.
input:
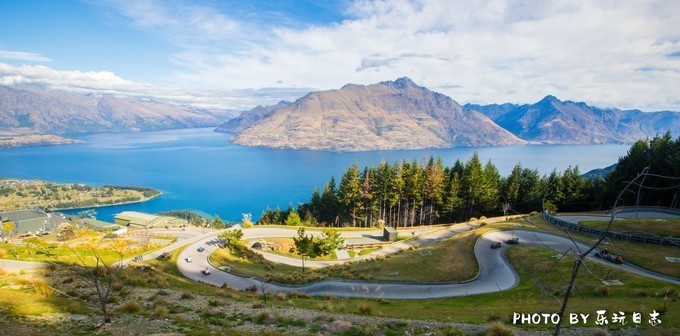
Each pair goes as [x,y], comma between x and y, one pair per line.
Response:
[433,187]
[293,219]
[349,194]
[451,201]
[472,185]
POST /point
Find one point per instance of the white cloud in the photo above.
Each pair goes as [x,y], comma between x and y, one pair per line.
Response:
[104,82]
[489,51]
[23,56]
[485,51]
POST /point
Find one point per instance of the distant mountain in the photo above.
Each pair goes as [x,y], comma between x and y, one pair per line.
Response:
[599,172]
[389,115]
[40,112]
[249,118]
[493,111]
[565,122]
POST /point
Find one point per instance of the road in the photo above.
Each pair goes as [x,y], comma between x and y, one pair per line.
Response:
[620,214]
[495,273]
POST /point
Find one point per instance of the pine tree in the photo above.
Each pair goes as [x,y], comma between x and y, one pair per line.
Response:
[349,194]
[472,185]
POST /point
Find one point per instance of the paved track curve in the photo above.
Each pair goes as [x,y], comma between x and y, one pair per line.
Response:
[495,272]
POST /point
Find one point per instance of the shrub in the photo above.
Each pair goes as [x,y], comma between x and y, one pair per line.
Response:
[497,328]
[258,305]
[482,218]
[265,318]
[296,294]
[473,219]
[325,306]
[667,292]
[602,291]
[215,303]
[130,307]
[161,311]
[160,303]
[365,309]
[280,296]
[186,296]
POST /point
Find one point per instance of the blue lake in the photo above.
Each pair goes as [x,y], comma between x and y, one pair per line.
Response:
[200,170]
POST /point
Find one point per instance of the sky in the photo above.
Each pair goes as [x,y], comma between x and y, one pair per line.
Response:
[233,54]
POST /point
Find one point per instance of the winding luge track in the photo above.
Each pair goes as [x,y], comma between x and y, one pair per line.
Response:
[495,272]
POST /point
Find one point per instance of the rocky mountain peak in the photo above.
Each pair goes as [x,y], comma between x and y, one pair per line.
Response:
[395,114]
[401,83]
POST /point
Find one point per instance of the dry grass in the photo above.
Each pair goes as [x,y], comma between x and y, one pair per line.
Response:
[497,328]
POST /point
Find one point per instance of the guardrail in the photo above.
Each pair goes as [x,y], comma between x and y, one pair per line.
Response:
[611,234]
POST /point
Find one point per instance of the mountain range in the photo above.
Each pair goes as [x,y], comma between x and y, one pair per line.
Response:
[402,115]
[566,122]
[29,115]
[395,114]
[389,115]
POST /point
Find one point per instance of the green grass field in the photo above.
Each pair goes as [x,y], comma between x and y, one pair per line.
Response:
[644,255]
[536,293]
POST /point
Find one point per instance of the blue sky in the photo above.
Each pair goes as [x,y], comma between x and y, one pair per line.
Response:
[238,54]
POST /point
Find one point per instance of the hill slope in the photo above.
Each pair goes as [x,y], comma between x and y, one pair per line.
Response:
[33,111]
[249,118]
[388,115]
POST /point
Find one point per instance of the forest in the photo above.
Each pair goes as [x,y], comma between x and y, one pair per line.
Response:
[412,193]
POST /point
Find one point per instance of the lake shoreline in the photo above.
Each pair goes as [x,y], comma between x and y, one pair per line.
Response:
[109,205]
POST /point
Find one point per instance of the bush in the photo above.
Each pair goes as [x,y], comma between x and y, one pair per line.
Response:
[130,307]
[668,292]
[602,291]
[498,329]
[265,318]
[186,296]
[161,311]
[215,303]
[365,309]
[280,296]
[296,294]
[473,219]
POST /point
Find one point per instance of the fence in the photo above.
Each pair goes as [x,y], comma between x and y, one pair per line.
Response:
[611,234]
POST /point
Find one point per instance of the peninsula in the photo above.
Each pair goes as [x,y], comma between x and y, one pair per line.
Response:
[22,194]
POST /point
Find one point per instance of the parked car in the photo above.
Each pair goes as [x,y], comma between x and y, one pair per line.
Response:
[201,249]
[251,289]
[164,256]
[189,259]
[206,271]
[495,245]
[513,241]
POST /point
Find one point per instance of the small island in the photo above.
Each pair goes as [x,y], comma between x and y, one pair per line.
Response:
[23,194]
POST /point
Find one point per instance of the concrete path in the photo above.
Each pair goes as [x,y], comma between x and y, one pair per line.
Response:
[624,213]
[495,273]
[18,265]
